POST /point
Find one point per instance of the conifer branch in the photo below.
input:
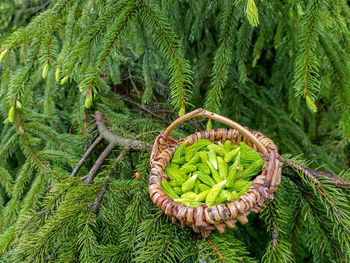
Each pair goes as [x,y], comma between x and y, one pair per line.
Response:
[241,71]
[278,220]
[61,6]
[311,174]
[6,180]
[70,70]
[22,78]
[48,50]
[34,155]
[165,39]
[37,159]
[38,27]
[273,228]
[306,69]
[314,174]
[37,127]
[223,247]
[339,60]
[331,231]
[307,52]
[294,228]
[172,52]
[89,34]
[244,39]
[107,48]
[97,201]
[8,243]
[333,199]
[216,249]
[223,57]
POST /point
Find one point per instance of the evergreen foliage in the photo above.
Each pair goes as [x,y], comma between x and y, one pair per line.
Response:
[280,67]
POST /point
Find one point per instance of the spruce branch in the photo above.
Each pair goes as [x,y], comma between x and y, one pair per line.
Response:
[133,83]
[43,24]
[273,227]
[244,39]
[164,37]
[6,240]
[216,249]
[6,180]
[28,149]
[223,248]
[110,39]
[111,218]
[279,220]
[36,9]
[223,57]
[331,229]
[329,207]
[69,58]
[306,69]
[307,53]
[60,6]
[49,134]
[22,77]
[316,174]
[339,59]
[32,197]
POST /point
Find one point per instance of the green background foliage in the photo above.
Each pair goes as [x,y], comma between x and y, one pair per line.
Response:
[280,67]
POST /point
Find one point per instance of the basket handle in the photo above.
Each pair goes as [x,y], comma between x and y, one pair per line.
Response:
[203,113]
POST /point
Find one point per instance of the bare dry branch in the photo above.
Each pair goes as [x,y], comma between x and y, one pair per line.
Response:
[119,140]
[91,175]
[86,154]
[96,203]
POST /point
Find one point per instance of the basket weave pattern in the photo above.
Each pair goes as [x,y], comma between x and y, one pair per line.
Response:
[204,219]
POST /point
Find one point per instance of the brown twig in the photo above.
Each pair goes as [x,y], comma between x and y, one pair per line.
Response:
[96,203]
[338,181]
[133,83]
[315,175]
[215,248]
[86,154]
[140,106]
[118,140]
[91,175]
[114,140]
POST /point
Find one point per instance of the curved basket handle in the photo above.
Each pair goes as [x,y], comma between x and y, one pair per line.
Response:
[203,113]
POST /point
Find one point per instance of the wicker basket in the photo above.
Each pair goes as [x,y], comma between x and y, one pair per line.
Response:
[204,219]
